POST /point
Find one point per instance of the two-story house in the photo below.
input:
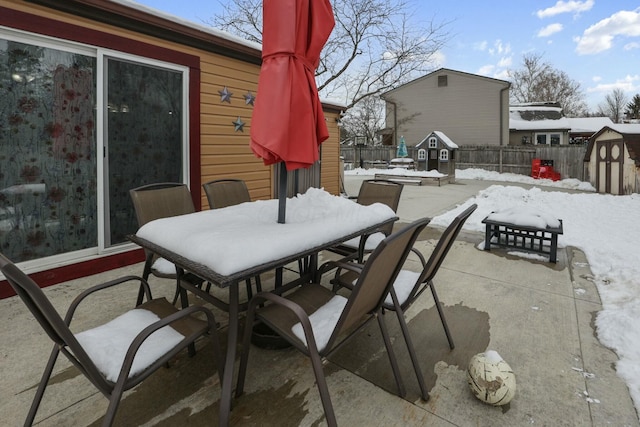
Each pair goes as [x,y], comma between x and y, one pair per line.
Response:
[470,109]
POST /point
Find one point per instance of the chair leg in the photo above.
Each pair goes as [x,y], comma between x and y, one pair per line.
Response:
[146,272]
[46,375]
[246,346]
[114,403]
[321,381]
[442,318]
[402,392]
[249,290]
[412,354]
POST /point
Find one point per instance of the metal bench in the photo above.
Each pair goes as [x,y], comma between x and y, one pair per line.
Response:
[531,239]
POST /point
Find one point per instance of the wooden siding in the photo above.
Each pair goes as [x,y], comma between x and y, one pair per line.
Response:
[468,110]
[225,153]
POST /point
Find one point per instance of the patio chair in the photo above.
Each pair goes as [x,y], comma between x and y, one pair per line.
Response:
[228,192]
[140,341]
[371,191]
[409,285]
[316,321]
[161,200]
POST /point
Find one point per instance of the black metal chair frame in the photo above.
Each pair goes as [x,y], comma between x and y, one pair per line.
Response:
[364,303]
[66,343]
[366,198]
[424,281]
[150,257]
[218,197]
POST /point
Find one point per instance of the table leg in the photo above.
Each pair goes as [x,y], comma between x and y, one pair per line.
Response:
[487,237]
[232,342]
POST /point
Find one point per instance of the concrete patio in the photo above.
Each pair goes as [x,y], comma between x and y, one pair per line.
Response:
[538,316]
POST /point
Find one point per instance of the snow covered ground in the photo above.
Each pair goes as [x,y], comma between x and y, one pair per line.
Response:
[605,227]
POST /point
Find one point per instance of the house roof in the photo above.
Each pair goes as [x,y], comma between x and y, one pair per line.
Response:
[142,19]
[448,70]
[588,124]
[442,137]
[548,116]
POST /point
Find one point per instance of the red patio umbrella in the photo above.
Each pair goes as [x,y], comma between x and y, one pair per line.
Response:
[288,124]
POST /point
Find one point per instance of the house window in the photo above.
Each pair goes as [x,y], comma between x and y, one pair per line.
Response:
[442,81]
[433,142]
[422,154]
[548,138]
[444,155]
[71,152]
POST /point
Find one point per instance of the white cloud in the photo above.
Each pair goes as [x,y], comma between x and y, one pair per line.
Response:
[438,59]
[499,48]
[505,62]
[596,78]
[566,7]
[481,46]
[599,37]
[549,30]
[486,70]
[502,75]
[631,46]
[629,84]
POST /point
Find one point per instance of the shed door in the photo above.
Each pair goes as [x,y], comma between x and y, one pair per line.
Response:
[609,167]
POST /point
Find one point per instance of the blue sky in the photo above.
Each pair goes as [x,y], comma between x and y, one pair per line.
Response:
[596,42]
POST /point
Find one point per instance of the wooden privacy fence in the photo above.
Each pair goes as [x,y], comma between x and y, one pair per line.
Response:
[567,159]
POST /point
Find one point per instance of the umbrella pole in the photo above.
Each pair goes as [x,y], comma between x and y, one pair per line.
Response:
[282,193]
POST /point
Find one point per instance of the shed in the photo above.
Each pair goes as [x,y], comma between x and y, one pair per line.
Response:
[612,159]
[437,151]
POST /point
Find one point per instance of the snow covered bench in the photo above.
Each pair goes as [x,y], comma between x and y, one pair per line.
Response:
[524,230]
[414,179]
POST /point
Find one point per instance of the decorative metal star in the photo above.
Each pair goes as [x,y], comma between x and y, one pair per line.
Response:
[225,95]
[239,124]
[249,98]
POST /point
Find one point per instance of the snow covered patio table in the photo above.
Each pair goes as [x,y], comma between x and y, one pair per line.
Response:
[229,245]
[523,229]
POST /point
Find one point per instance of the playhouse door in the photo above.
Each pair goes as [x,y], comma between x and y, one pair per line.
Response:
[609,167]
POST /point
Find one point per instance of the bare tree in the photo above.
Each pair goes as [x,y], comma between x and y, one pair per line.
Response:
[537,81]
[614,103]
[364,119]
[373,48]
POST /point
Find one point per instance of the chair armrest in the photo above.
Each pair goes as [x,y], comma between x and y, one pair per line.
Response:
[419,254]
[302,315]
[149,330]
[339,264]
[101,286]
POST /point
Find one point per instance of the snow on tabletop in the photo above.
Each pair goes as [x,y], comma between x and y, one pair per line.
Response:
[525,216]
[243,236]
[323,322]
[107,345]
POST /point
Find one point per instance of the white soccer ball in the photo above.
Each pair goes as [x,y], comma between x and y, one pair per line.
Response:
[491,379]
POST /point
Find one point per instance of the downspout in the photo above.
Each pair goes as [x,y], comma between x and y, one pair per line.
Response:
[395,120]
[506,88]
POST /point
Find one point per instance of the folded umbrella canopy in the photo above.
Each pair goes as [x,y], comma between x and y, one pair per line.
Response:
[288,124]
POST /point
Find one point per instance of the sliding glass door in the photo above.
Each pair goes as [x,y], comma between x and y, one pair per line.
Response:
[79,127]
[144,136]
[48,181]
